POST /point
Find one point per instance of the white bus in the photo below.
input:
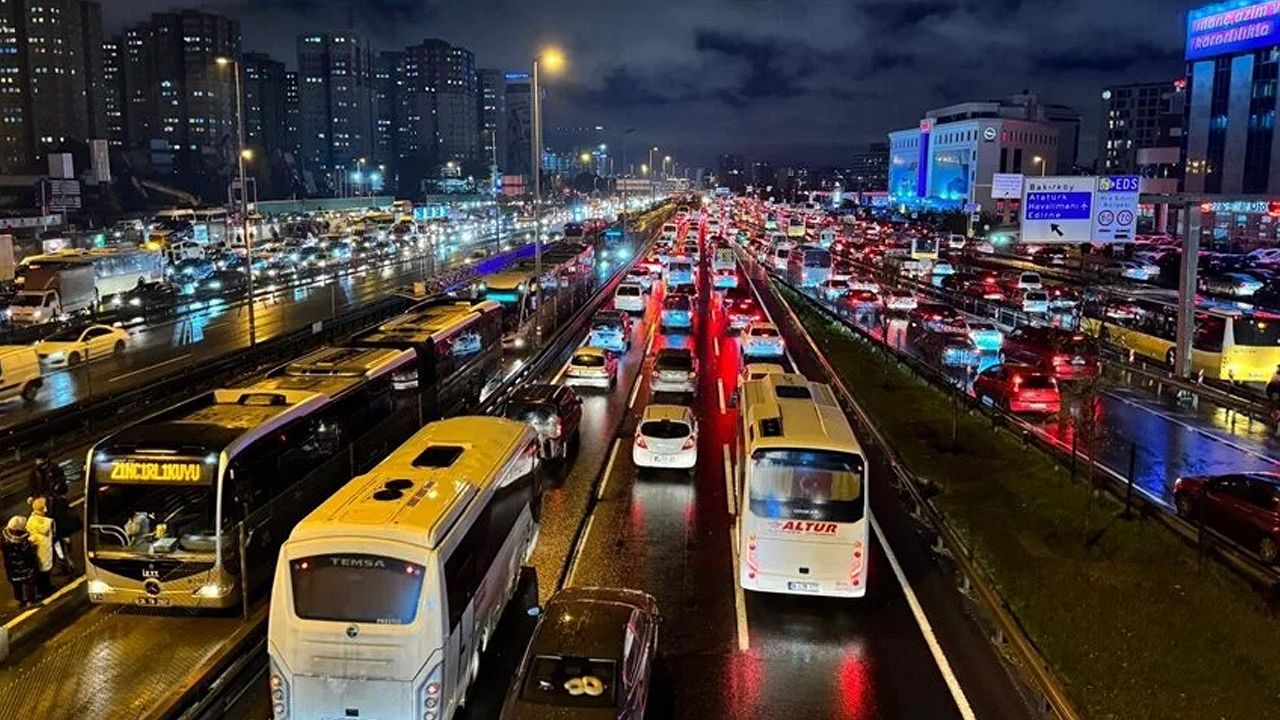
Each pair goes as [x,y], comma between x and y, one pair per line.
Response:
[116,269]
[386,595]
[802,528]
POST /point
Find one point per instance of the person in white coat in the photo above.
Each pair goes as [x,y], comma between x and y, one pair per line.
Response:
[40,528]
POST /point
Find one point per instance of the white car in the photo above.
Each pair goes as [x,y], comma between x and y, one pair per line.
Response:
[1035,301]
[72,346]
[667,437]
[641,276]
[1130,270]
[675,370]
[1030,281]
[762,339]
[864,283]
[899,300]
[756,371]
[629,297]
[831,290]
[592,366]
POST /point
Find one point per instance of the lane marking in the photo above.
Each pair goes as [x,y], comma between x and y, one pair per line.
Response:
[608,468]
[720,391]
[635,386]
[139,371]
[739,597]
[577,551]
[653,334]
[730,489]
[1195,430]
[715,342]
[926,629]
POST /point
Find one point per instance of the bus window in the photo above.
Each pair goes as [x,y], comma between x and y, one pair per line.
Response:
[1252,332]
[1208,335]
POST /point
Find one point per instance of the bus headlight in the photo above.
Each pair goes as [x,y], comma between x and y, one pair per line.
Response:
[97,587]
[211,590]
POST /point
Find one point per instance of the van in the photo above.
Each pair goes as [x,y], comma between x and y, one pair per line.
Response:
[629,298]
[19,373]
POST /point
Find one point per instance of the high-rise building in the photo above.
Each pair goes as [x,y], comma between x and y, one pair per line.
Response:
[292,113]
[265,116]
[730,172]
[492,111]
[1136,117]
[440,81]
[869,169]
[519,123]
[113,90]
[763,174]
[51,57]
[178,101]
[335,98]
[388,81]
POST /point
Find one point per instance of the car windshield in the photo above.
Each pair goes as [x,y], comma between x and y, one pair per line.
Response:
[588,360]
[674,361]
[28,300]
[356,588]
[807,485]
[570,681]
[665,429]
[531,412]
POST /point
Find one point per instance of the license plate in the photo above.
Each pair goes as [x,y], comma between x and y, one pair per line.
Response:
[802,586]
[1038,406]
[1077,361]
[153,601]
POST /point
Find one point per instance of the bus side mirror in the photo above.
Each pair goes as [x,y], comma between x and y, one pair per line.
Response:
[733,398]
[534,611]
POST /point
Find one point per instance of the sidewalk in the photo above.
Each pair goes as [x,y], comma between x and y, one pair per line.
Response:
[8,604]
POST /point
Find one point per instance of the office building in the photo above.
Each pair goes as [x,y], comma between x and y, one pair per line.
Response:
[179,103]
[388,83]
[1232,55]
[335,102]
[730,172]
[869,169]
[949,160]
[292,112]
[491,94]
[519,123]
[51,61]
[265,116]
[1136,117]
[113,91]
[440,92]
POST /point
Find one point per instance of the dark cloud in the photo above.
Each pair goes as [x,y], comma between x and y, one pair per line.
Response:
[802,80]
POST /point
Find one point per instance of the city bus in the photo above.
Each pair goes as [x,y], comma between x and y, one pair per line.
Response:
[803,524]
[1233,341]
[187,508]
[516,292]
[809,266]
[116,269]
[457,345]
[386,595]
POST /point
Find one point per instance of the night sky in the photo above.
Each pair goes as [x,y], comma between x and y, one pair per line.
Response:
[784,80]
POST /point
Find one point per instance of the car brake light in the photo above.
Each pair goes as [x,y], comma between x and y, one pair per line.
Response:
[1061,359]
[640,441]
[688,443]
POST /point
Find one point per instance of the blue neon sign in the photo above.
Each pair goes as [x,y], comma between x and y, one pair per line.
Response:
[1233,27]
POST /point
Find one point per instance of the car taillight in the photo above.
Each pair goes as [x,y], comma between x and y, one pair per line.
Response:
[555,427]
[688,443]
[641,442]
[1061,359]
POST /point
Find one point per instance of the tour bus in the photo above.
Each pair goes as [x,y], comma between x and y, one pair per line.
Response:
[187,508]
[1233,341]
[803,525]
[809,266]
[116,269]
[386,595]
[457,346]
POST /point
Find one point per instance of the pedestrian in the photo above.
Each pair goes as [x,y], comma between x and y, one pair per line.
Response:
[1273,386]
[19,560]
[40,528]
[43,477]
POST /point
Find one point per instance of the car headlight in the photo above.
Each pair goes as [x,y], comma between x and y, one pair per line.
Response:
[135,302]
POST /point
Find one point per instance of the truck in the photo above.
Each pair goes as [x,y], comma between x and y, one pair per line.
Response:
[53,291]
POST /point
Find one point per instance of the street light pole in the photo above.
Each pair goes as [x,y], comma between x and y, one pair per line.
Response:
[244,192]
[536,166]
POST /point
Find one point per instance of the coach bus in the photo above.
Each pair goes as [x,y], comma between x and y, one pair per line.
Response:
[803,525]
[116,270]
[1233,341]
[808,266]
[386,595]
[187,507]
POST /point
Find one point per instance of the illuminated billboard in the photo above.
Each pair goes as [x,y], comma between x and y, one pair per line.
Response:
[1229,28]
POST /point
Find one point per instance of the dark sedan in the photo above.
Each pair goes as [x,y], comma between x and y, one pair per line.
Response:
[591,656]
[225,283]
[1243,506]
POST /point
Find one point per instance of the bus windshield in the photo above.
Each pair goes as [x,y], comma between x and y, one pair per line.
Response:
[356,588]
[152,519]
[1254,332]
[807,485]
[817,259]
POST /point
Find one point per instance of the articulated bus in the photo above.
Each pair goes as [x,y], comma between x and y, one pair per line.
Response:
[809,266]
[1233,341]
[387,594]
[458,348]
[566,280]
[803,524]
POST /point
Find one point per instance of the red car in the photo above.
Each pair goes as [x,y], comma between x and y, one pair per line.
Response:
[741,312]
[985,290]
[1067,355]
[1018,389]
[1243,506]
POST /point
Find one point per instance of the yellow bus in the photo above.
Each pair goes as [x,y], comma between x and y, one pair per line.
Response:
[1233,341]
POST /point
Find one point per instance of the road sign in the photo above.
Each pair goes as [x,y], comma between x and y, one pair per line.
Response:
[1057,209]
[1115,209]
[1006,186]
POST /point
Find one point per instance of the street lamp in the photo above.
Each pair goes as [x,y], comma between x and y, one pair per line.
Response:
[665,172]
[242,154]
[1039,161]
[553,60]
[652,190]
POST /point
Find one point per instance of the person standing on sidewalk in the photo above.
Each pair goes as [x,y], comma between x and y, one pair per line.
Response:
[41,529]
[19,560]
[50,482]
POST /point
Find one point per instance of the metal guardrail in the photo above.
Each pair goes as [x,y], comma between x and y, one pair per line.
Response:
[1205,540]
[1036,673]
